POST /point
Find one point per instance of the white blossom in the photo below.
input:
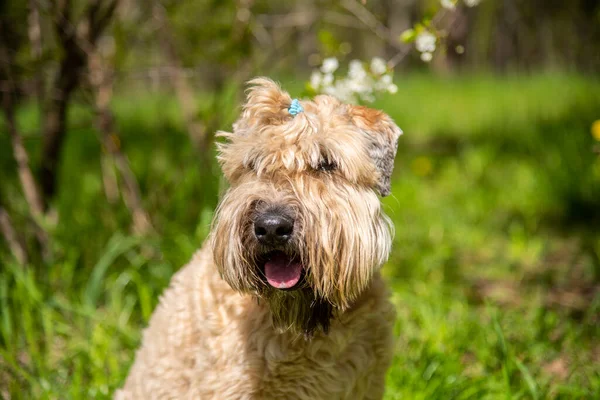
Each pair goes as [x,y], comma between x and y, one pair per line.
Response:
[425,42]
[448,4]
[426,56]
[358,80]
[383,83]
[472,3]
[386,80]
[315,79]
[356,70]
[378,66]
[341,91]
[330,65]
[359,84]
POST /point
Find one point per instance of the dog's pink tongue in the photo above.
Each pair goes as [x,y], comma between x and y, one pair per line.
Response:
[281,272]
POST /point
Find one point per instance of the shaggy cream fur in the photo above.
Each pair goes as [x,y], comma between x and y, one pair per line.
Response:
[221,331]
[206,341]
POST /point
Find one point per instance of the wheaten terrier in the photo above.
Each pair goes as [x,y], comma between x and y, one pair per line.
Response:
[284,300]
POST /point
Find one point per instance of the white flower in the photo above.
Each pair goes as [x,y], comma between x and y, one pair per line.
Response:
[378,66]
[448,4]
[472,3]
[426,56]
[356,70]
[386,80]
[383,83]
[368,97]
[330,65]
[358,80]
[359,84]
[315,79]
[327,80]
[341,91]
[425,42]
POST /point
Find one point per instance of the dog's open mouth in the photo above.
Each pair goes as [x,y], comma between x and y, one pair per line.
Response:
[283,271]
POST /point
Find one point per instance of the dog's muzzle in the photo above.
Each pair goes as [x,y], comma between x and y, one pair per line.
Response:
[273,230]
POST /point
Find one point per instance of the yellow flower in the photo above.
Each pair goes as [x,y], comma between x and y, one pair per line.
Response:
[596,130]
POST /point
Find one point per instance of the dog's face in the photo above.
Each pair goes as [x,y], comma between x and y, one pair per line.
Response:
[301,225]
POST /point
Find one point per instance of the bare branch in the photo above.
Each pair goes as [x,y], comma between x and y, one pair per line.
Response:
[76,41]
[32,195]
[406,49]
[34,32]
[61,20]
[15,245]
[371,21]
[292,19]
[101,80]
[28,183]
[109,180]
[98,18]
[183,91]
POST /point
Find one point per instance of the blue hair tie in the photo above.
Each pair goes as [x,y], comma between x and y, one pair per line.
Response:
[295,108]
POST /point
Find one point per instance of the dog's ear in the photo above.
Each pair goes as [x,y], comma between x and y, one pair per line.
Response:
[266,104]
[383,134]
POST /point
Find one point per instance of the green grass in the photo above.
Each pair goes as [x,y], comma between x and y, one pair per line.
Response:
[495,269]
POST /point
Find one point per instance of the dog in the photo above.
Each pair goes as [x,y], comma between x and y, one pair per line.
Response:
[285,299]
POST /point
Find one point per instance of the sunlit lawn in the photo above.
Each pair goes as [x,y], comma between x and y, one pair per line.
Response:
[495,269]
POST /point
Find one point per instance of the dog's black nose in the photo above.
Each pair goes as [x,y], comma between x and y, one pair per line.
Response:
[273,228]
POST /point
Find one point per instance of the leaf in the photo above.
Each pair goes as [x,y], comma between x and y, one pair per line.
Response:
[528,379]
[116,246]
[408,36]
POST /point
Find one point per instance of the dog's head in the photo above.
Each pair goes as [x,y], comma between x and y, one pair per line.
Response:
[301,225]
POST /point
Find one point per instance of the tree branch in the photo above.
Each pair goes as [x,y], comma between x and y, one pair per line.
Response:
[98,19]
[371,21]
[15,245]
[196,130]
[368,19]
[101,81]
[10,93]
[76,41]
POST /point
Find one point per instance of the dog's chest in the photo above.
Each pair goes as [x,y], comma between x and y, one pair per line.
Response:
[284,366]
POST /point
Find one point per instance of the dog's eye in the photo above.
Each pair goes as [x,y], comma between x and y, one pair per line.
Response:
[326,166]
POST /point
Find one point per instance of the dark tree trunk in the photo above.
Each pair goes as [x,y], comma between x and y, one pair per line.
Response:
[55,118]
[76,41]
